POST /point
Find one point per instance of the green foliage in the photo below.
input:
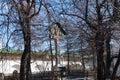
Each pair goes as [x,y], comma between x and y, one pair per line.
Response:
[3,51]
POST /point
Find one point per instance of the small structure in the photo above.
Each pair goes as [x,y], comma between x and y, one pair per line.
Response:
[15,75]
[56,31]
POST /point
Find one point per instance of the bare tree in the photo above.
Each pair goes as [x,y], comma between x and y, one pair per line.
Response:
[83,19]
[99,18]
[25,14]
[20,14]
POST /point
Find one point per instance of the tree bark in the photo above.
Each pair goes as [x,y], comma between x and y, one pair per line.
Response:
[116,67]
[108,58]
[100,44]
[25,68]
[100,51]
[25,59]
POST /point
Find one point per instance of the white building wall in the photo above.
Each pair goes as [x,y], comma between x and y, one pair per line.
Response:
[8,66]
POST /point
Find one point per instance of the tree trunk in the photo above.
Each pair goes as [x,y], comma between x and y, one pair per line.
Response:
[116,67]
[100,43]
[100,51]
[25,65]
[25,68]
[25,59]
[108,58]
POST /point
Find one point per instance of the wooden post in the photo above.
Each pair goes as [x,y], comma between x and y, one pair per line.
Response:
[57,48]
[56,32]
